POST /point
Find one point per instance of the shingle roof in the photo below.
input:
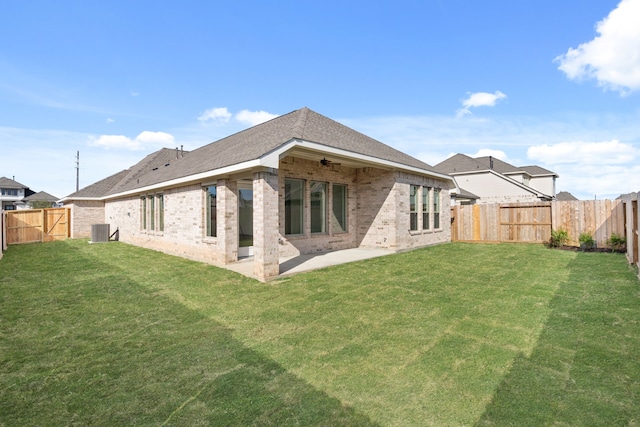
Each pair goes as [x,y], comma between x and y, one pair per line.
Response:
[459,163]
[535,170]
[251,144]
[41,196]
[565,196]
[497,165]
[464,194]
[10,183]
[100,188]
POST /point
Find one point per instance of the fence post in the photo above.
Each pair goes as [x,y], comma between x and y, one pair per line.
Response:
[3,233]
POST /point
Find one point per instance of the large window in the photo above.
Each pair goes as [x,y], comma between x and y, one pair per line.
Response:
[143,213]
[212,220]
[294,206]
[425,208]
[160,212]
[339,208]
[413,208]
[152,213]
[318,196]
[436,208]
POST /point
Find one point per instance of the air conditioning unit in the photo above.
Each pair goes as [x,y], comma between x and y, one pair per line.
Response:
[99,233]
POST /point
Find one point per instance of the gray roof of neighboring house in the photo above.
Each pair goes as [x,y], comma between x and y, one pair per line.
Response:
[535,170]
[250,144]
[461,163]
[41,196]
[464,194]
[497,165]
[565,196]
[10,183]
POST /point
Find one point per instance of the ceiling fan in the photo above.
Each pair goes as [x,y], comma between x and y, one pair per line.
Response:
[325,162]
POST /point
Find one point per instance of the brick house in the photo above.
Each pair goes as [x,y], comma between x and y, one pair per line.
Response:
[298,184]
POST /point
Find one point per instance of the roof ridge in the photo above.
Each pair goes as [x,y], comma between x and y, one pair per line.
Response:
[297,130]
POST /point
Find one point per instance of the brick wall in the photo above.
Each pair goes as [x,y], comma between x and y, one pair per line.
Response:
[407,239]
[85,213]
[377,207]
[184,226]
[377,215]
[522,198]
[384,211]
[306,170]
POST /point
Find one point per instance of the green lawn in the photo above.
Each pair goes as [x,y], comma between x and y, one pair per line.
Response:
[452,335]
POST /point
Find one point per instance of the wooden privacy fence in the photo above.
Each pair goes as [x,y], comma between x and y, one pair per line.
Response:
[533,222]
[37,225]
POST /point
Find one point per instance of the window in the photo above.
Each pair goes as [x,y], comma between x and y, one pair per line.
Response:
[339,209]
[212,219]
[318,207]
[425,208]
[160,212]
[152,213]
[143,212]
[436,208]
[293,206]
[413,208]
[9,192]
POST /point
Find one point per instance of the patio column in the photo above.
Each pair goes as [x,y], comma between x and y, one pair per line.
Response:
[227,228]
[266,251]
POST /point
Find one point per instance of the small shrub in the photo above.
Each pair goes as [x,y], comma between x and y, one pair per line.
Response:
[616,242]
[558,238]
[586,241]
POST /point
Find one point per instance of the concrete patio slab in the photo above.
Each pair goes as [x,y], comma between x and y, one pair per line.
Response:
[308,262]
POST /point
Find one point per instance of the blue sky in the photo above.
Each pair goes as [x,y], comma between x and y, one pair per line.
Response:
[551,83]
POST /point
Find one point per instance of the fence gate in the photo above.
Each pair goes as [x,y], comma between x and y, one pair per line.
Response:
[525,223]
[513,222]
[37,225]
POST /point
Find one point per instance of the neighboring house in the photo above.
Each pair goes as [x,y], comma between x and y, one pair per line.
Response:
[12,193]
[565,196]
[298,184]
[490,180]
[40,200]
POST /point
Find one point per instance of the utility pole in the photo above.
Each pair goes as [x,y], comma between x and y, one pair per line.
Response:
[78,171]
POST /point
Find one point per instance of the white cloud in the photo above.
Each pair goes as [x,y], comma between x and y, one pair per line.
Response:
[432,139]
[162,138]
[253,118]
[218,115]
[222,116]
[598,181]
[484,152]
[134,93]
[109,120]
[613,57]
[143,141]
[586,153]
[479,99]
